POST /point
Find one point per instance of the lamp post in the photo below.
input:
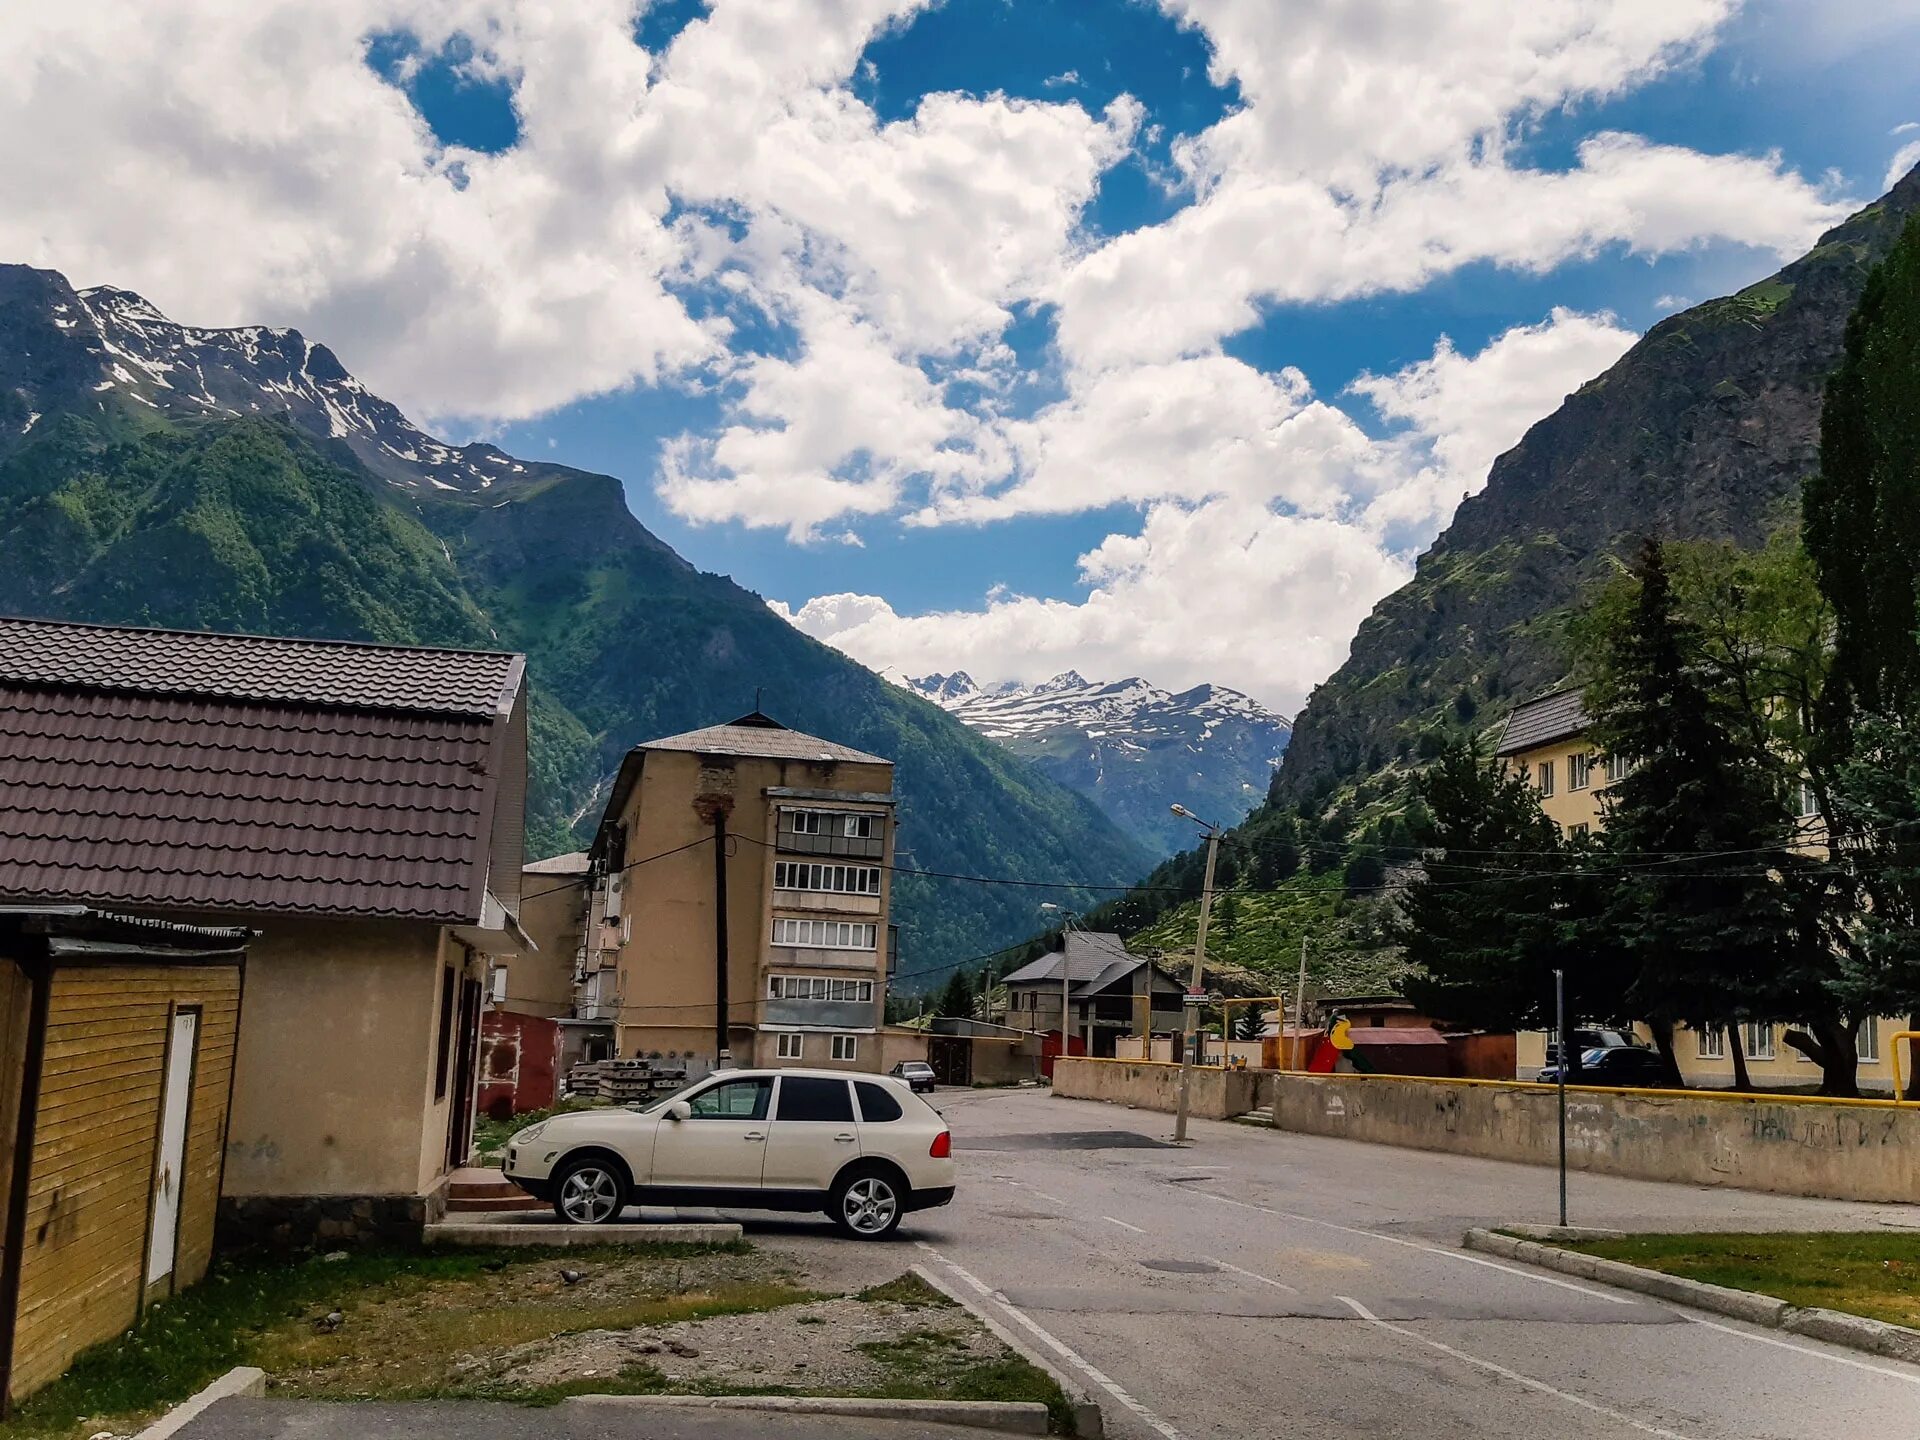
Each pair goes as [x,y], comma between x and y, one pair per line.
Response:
[1066,981]
[1196,987]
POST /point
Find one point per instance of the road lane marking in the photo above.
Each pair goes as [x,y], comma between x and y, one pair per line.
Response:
[1250,1274]
[1420,1245]
[1058,1346]
[1911,1379]
[1539,1386]
[1045,1196]
[1123,1224]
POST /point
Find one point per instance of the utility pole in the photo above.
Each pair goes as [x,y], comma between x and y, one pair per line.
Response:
[722,1042]
[1560,1035]
[1196,988]
[1299,1005]
[1066,985]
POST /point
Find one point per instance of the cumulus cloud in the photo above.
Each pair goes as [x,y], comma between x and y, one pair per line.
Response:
[727,213]
[1904,159]
[1294,521]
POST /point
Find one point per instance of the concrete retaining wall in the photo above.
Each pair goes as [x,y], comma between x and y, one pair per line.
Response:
[1216,1094]
[1841,1152]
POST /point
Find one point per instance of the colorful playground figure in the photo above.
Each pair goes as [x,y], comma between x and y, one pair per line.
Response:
[1336,1045]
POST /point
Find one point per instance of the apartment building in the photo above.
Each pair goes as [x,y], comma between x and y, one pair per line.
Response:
[1545,741]
[746,865]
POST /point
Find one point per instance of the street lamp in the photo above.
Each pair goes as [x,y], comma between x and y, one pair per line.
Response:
[1066,978]
[1196,987]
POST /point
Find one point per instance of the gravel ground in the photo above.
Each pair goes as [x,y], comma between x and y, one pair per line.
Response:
[826,1345]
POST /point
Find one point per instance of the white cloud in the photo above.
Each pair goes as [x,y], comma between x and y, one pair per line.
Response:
[1904,159]
[1292,522]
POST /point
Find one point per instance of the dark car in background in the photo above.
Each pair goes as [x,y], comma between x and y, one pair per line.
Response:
[1625,1065]
[917,1074]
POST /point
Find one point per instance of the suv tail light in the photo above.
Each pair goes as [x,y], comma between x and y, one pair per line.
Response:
[942,1146]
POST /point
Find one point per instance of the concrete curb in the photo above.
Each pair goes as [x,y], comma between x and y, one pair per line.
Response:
[1004,1417]
[244,1380]
[1565,1232]
[1089,1422]
[1836,1327]
[554,1235]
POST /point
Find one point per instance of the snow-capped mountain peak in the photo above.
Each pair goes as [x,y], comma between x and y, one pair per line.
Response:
[105,347]
[1130,745]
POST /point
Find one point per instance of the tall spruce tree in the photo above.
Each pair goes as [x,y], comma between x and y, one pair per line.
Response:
[1697,830]
[1486,921]
[1861,519]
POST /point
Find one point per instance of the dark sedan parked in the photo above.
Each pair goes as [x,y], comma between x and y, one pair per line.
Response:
[1624,1065]
[917,1073]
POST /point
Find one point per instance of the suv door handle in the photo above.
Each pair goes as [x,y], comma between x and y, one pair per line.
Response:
[843,1139]
[753,1135]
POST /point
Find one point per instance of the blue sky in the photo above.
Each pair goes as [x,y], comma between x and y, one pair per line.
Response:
[1139,336]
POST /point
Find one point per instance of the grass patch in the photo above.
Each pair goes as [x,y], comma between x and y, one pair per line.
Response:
[908,1290]
[1873,1274]
[490,1136]
[261,1312]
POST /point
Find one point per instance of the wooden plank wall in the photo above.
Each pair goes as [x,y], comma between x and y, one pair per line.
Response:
[89,1196]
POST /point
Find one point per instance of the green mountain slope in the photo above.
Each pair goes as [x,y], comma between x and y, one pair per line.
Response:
[1704,429]
[141,503]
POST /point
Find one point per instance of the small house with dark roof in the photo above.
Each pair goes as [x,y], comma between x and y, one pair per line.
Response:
[358,806]
[1109,992]
[741,903]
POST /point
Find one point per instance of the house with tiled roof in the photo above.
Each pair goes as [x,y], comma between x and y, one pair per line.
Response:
[740,904]
[1104,989]
[359,807]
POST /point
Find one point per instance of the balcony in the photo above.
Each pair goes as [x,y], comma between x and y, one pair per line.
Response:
[858,847]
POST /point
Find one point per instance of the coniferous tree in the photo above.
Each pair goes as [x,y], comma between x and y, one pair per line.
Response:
[1699,893]
[1483,922]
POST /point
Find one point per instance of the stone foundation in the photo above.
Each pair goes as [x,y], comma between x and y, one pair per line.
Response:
[325,1222]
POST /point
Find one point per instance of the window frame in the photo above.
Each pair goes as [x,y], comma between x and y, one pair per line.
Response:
[816,877]
[1710,1043]
[862,1089]
[782,986]
[796,1039]
[763,1082]
[1869,1053]
[846,1049]
[1750,1041]
[1618,768]
[1579,770]
[786,927]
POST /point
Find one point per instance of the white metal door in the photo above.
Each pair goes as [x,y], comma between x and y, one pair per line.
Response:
[171,1160]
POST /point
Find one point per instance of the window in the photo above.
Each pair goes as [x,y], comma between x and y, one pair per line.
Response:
[876,1105]
[826,934]
[857,827]
[1617,768]
[1578,768]
[819,987]
[1546,777]
[499,984]
[791,1047]
[444,1062]
[1712,1043]
[732,1100]
[1866,1042]
[1579,832]
[846,1047]
[1759,1042]
[803,822]
[837,879]
[1806,800]
[808,1099]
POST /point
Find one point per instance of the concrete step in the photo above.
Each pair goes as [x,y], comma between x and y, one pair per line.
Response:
[496,1204]
[483,1189]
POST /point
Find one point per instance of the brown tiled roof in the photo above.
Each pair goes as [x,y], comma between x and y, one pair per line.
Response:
[256,667]
[191,789]
[1558,716]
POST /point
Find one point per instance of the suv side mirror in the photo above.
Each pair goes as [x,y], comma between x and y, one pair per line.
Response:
[679,1110]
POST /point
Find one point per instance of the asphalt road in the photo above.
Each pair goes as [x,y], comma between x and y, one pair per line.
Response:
[1260,1285]
[479,1420]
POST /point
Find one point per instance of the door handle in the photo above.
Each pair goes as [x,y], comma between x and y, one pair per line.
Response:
[843,1139]
[753,1135]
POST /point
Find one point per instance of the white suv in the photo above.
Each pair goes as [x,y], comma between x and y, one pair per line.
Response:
[863,1149]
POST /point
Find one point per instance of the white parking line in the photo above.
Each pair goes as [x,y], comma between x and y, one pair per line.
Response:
[1123,1224]
[1909,1377]
[1251,1275]
[1504,1373]
[1421,1245]
[1066,1352]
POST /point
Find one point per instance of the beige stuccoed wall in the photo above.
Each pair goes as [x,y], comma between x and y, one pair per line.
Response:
[553,912]
[1214,1094]
[1842,1152]
[333,1089]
